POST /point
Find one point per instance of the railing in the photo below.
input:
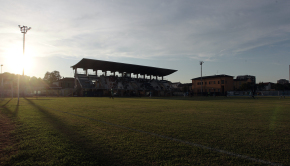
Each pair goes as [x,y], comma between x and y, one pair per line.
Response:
[259,93]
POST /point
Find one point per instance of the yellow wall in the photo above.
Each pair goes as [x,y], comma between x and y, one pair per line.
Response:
[238,83]
[213,84]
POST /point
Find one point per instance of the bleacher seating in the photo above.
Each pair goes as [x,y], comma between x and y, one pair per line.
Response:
[126,83]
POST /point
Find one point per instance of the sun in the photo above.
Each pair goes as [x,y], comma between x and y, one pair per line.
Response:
[16,61]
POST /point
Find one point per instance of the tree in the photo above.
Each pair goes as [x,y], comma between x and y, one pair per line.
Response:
[261,86]
[35,82]
[246,86]
[51,77]
[185,88]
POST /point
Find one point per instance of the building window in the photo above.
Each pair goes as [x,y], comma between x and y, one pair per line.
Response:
[209,82]
[218,82]
[223,81]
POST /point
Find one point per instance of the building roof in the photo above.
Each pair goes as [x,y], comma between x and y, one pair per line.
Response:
[213,76]
[121,67]
[265,83]
[243,79]
[245,76]
[67,79]
[185,84]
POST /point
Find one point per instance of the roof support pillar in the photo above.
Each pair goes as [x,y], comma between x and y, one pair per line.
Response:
[137,75]
[86,70]
[75,81]
[150,77]
[156,77]
[162,77]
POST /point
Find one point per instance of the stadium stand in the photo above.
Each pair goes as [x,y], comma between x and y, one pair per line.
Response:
[131,80]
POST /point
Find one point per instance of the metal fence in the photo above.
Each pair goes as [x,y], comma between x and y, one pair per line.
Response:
[259,93]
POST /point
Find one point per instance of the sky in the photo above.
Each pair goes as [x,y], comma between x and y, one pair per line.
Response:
[233,37]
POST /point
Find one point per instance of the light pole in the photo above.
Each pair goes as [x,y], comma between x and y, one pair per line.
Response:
[201,62]
[23,30]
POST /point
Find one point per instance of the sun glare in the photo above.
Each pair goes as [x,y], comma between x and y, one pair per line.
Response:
[16,61]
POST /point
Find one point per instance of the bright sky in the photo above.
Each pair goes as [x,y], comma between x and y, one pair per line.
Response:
[233,37]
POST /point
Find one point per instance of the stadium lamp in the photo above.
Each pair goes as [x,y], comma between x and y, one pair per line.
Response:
[23,30]
[201,62]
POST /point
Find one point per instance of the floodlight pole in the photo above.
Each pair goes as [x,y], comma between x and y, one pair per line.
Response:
[23,30]
[201,62]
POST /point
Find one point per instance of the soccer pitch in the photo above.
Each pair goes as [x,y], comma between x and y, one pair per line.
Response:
[146,131]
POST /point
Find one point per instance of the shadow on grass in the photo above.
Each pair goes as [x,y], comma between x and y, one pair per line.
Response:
[7,102]
[9,112]
[38,98]
[87,152]
[3,101]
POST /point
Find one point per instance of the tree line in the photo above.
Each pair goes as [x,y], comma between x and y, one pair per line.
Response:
[11,80]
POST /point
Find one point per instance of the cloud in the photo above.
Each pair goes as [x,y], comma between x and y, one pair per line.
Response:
[148,29]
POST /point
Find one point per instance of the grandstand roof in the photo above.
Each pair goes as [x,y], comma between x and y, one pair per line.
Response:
[121,67]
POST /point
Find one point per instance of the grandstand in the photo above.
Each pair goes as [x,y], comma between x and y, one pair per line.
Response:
[124,79]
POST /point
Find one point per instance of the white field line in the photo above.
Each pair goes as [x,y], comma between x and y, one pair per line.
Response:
[179,140]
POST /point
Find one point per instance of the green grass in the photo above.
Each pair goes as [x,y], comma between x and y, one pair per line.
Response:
[48,132]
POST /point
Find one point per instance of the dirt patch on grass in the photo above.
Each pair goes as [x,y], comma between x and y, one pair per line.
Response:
[6,138]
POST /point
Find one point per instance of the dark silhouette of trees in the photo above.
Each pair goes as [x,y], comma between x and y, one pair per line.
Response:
[246,86]
[282,86]
[35,82]
[51,77]
[10,81]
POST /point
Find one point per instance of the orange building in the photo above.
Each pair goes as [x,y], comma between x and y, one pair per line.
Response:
[218,84]
[239,82]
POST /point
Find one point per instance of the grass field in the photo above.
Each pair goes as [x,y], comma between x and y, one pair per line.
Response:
[145,131]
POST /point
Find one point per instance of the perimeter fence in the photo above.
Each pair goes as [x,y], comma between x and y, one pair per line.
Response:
[259,93]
